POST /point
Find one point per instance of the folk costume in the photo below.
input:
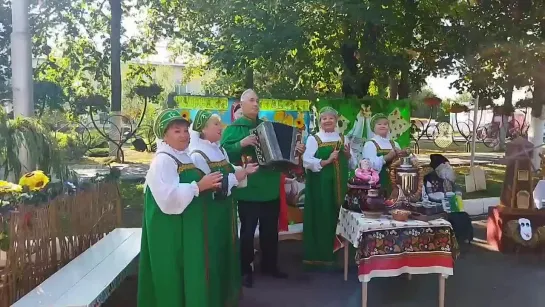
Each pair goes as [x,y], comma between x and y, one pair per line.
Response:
[375,149]
[223,250]
[175,265]
[325,190]
[258,202]
[441,180]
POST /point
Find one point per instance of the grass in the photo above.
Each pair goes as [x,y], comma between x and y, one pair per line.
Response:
[495,175]
[459,147]
[494,172]
[131,157]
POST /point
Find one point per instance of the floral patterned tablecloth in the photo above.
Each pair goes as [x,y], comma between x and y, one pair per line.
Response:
[386,247]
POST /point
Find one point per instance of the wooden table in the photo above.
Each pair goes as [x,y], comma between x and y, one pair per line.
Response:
[388,248]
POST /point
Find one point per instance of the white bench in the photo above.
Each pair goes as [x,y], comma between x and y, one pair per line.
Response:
[91,277]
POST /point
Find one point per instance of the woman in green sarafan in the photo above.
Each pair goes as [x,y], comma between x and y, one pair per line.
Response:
[175,262]
[326,162]
[381,150]
[224,253]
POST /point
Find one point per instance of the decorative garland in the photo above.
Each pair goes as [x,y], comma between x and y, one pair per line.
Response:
[222,103]
[202,103]
[284,105]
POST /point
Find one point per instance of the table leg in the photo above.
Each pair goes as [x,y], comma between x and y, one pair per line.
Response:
[346,250]
[441,290]
[363,294]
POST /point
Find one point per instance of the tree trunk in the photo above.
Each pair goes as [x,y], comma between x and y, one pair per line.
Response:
[249,78]
[393,87]
[504,124]
[404,89]
[116,128]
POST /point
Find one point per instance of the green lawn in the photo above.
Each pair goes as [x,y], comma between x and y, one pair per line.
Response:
[494,178]
[430,147]
[494,173]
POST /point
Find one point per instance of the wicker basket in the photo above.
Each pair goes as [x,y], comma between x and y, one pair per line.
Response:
[400,215]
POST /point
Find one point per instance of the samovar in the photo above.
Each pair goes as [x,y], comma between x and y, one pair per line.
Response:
[408,181]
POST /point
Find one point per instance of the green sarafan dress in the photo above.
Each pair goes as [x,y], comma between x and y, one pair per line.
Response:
[324,194]
[384,175]
[183,257]
[224,249]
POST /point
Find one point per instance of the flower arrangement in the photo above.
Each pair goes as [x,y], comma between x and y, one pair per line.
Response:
[32,188]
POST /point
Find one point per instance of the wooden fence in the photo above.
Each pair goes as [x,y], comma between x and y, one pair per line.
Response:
[44,238]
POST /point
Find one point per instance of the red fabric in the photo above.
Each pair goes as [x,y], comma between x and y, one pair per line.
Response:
[283,217]
[394,262]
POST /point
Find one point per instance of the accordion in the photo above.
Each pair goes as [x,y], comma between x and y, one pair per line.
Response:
[276,144]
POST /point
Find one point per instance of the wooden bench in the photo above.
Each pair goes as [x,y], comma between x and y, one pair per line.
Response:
[90,278]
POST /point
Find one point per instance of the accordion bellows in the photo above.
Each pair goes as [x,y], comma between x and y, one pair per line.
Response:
[276,144]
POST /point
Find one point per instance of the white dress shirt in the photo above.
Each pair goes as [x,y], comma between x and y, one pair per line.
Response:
[312,163]
[215,153]
[163,180]
[370,151]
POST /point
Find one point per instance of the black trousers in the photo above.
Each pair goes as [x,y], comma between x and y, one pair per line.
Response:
[250,212]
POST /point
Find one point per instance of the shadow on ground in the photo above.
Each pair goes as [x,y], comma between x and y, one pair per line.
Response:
[482,278]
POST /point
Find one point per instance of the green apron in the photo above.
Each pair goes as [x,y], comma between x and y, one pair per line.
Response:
[179,261]
[384,175]
[324,194]
[225,248]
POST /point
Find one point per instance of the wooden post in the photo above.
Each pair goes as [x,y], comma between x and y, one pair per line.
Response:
[441,290]
[119,209]
[346,250]
[363,294]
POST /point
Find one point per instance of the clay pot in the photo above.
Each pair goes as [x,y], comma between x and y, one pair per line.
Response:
[374,204]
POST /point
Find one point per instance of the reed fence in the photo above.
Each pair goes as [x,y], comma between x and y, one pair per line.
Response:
[42,239]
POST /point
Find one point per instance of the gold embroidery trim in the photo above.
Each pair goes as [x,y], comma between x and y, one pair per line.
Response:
[185,167]
[221,163]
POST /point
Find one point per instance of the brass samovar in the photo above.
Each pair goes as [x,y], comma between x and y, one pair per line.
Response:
[407,179]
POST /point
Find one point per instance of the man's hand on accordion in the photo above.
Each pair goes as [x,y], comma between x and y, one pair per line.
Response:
[250,140]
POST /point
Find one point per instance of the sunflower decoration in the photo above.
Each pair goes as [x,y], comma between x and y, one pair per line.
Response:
[35,181]
[8,187]
[299,122]
[284,118]
[185,114]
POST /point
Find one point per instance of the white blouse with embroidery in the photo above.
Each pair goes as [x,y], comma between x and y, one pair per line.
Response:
[312,163]
[215,153]
[163,180]
[370,151]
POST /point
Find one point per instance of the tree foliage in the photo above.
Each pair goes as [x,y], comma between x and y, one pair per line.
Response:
[71,42]
[308,47]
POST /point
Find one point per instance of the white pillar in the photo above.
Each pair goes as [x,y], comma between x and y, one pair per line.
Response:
[21,60]
[535,135]
[21,67]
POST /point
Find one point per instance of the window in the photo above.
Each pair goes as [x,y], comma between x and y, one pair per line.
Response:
[180,89]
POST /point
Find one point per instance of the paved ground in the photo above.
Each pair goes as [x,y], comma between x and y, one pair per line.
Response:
[482,278]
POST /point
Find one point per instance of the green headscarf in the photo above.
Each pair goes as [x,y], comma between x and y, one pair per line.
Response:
[201,119]
[163,119]
[375,118]
[328,110]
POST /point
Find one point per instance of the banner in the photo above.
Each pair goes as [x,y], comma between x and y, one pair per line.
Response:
[290,112]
